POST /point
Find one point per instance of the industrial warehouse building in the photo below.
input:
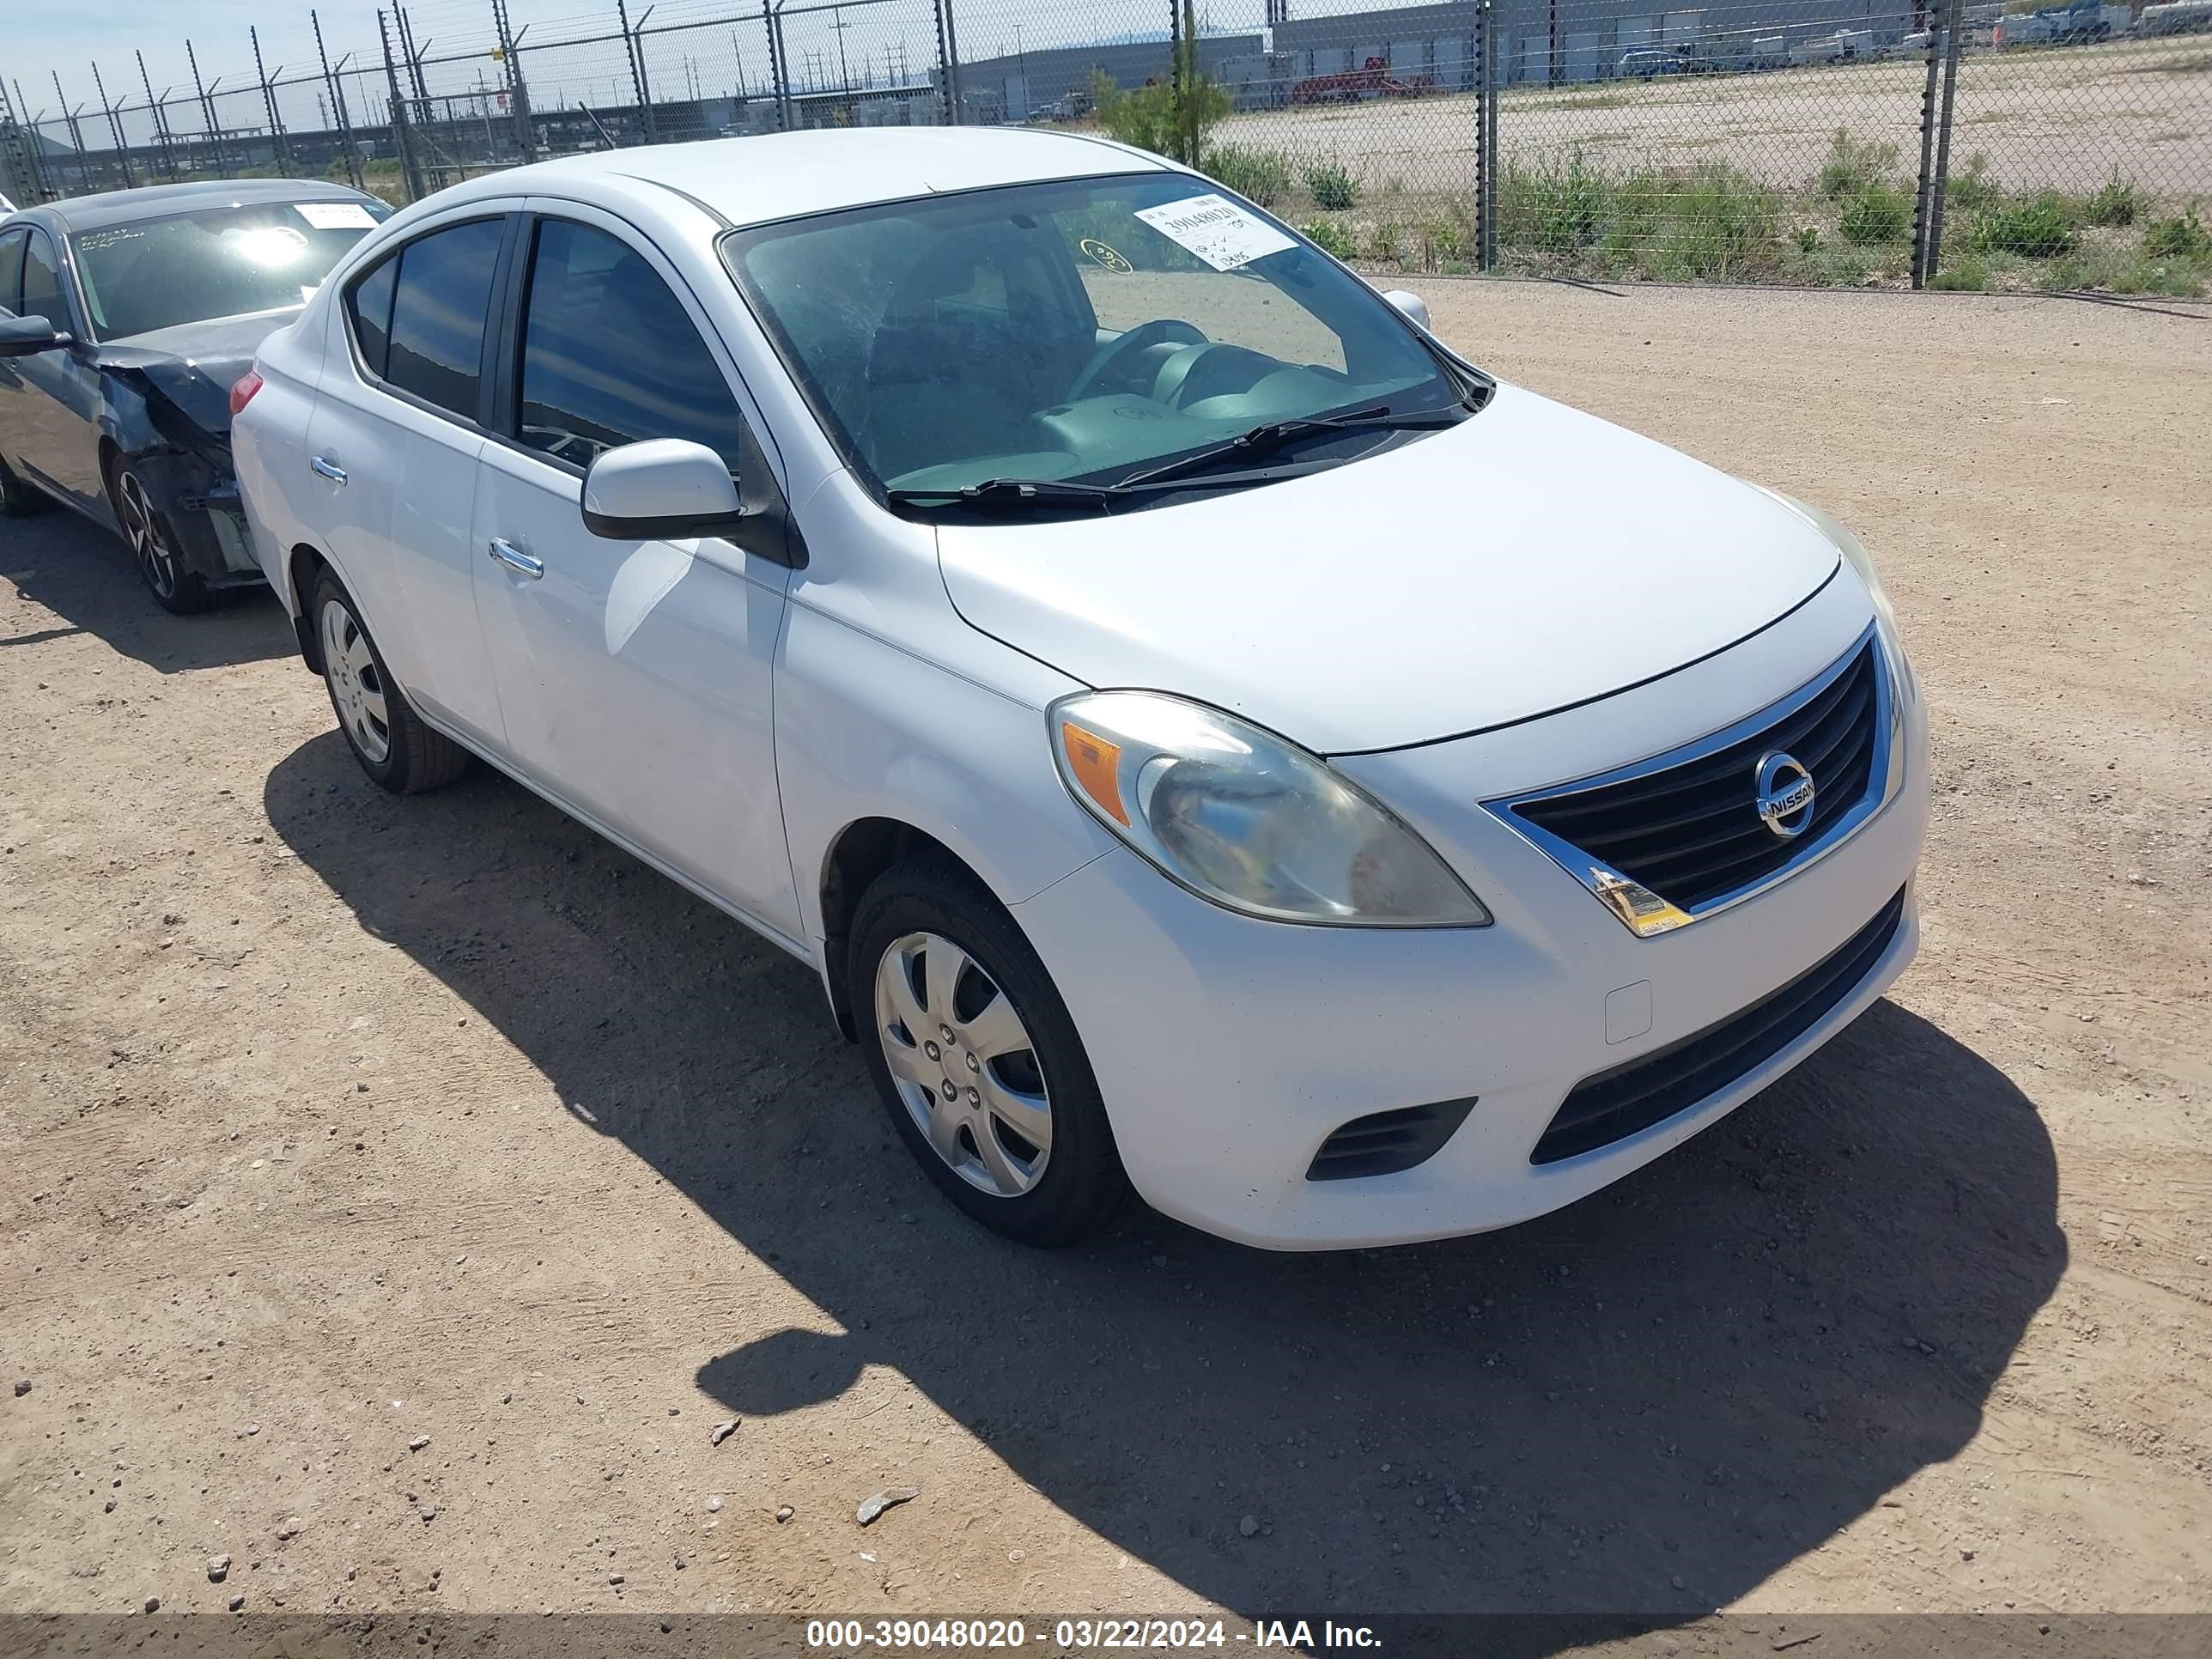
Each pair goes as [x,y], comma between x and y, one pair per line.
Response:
[1537,40]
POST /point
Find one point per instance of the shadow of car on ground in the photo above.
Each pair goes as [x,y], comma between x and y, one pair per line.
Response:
[85,575]
[1646,1404]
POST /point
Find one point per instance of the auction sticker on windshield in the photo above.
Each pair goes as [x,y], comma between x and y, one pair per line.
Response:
[1217,230]
[335,216]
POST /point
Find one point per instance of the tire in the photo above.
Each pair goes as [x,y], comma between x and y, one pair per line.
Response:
[1072,1183]
[386,736]
[153,544]
[17,499]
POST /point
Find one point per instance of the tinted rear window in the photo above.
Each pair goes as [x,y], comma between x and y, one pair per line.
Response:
[370,306]
[438,314]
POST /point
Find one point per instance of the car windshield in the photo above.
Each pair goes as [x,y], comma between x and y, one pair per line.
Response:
[218,262]
[1079,330]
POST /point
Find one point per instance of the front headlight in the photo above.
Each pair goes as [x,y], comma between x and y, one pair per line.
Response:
[1244,818]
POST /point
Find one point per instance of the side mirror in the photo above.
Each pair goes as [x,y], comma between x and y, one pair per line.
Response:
[662,487]
[25,337]
[1413,305]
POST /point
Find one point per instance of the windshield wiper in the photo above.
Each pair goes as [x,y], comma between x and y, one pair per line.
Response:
[1019,493]
[1273,434]
[992,492]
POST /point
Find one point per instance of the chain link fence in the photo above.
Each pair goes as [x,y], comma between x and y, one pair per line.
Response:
[1834,141]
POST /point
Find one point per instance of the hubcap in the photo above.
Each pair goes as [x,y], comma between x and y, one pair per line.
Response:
[356,689]
[964,1066]
[142,528]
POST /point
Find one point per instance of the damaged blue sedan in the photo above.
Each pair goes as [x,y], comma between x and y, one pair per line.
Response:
[125,320]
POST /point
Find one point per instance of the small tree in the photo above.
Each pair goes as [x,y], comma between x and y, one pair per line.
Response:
[1172,119]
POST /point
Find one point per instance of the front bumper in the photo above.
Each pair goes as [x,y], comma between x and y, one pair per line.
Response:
[206,518]
[1229,1049]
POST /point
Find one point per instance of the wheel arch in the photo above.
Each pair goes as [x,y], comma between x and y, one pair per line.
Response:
[301,566]
[856,857]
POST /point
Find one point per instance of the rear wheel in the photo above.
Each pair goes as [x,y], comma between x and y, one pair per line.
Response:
[17,499]
[386,736]
[977,1059]
[153,544]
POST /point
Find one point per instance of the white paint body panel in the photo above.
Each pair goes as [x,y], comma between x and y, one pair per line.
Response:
[1525,598]
[1530,558]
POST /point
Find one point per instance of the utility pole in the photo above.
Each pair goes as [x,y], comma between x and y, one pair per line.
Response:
[837,23]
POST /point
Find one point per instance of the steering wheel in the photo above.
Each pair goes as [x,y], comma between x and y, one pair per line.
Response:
[1161,330]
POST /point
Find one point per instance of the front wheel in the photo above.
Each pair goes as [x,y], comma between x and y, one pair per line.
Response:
[153,543]
[386,736]
[977,1059]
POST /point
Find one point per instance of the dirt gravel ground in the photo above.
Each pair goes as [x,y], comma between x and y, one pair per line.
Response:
[399,1193]
[2066,119]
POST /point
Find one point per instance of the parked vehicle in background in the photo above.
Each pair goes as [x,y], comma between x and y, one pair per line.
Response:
[2176,17]
[2080,24]
[1372,79]
[1207,735]
[124,319]
[1644,62]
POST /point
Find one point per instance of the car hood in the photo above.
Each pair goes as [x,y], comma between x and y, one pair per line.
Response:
[1530,558]
[193,365]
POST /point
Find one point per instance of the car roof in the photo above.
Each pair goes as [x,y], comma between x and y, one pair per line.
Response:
[153,201]
[778,175]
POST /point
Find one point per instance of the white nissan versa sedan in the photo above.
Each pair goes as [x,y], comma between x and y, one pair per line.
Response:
[1209,737]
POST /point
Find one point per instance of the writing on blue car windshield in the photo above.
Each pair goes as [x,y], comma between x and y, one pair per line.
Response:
[1077,331]
[148,273]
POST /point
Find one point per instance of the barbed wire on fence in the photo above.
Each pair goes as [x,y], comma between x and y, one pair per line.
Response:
[1959,143]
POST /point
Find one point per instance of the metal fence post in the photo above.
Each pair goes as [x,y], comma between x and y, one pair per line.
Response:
[518,91]
[772,21]
[952,68]
[76,137]
[944,66]
[115,130]
[1921,201]
[337,108]
[160,122]
[279,144]
[1485,136]
[207,110]
[18,150]
[397,116]
[637,68]
[1955,14]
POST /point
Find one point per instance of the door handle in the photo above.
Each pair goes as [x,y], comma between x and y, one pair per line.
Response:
[323,469]
[515,559]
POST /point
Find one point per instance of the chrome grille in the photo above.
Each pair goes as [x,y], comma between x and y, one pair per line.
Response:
[1682,835]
